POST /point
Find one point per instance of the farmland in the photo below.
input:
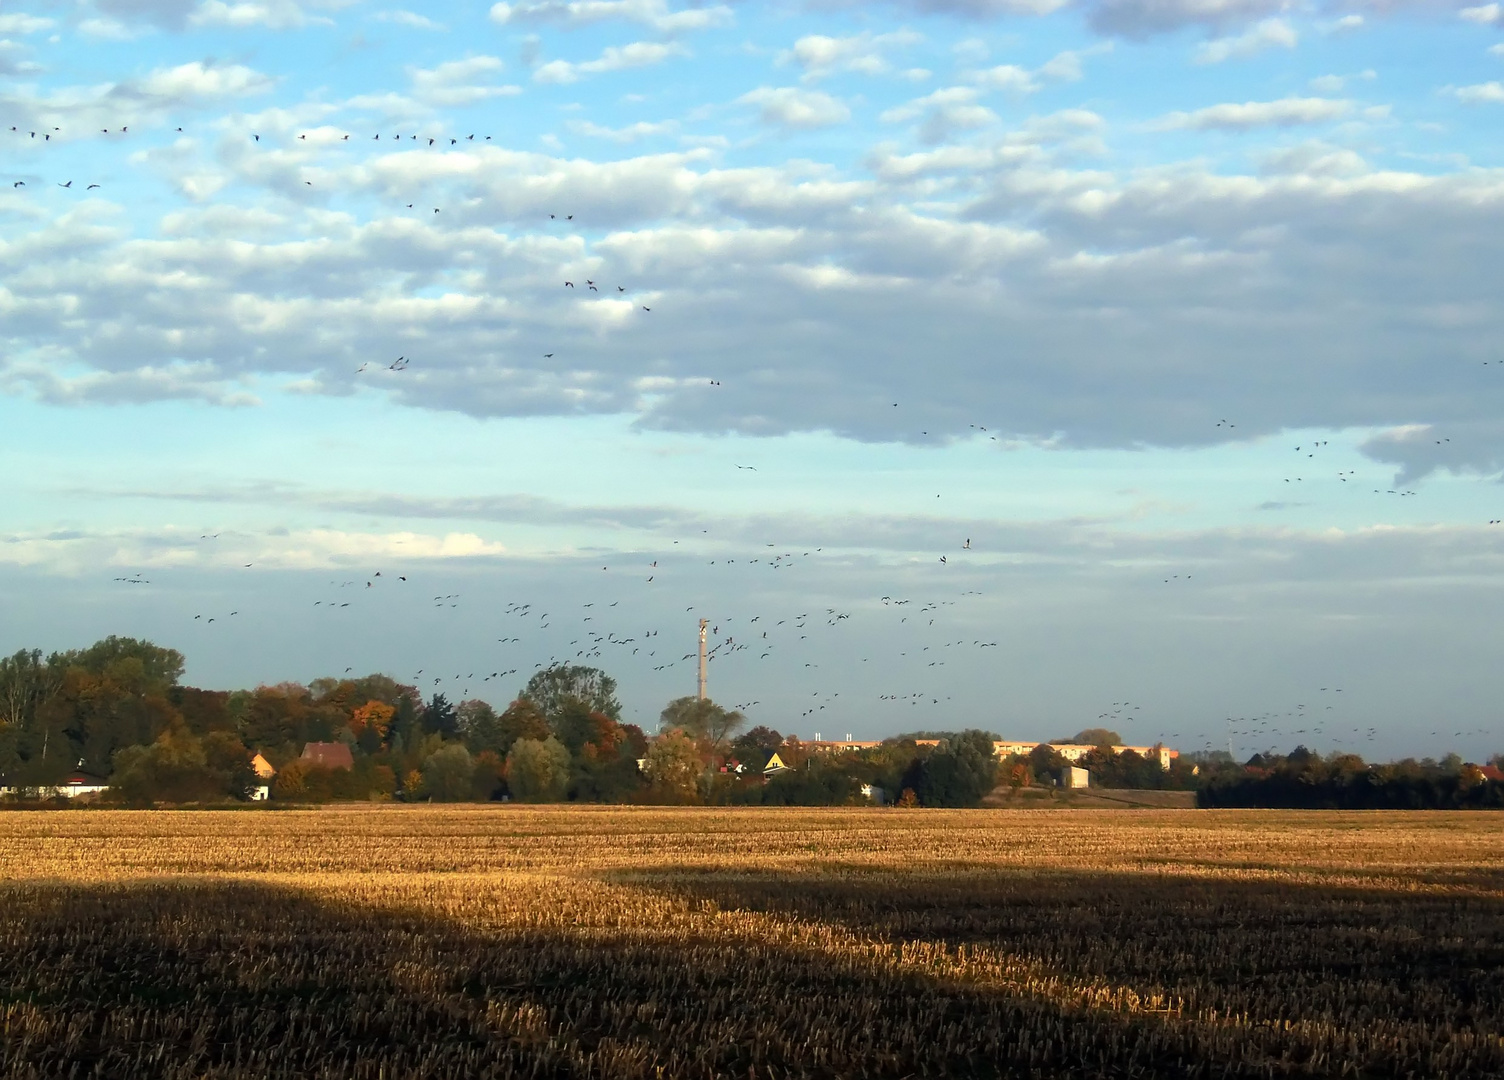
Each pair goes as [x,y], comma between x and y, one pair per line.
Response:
[611,942]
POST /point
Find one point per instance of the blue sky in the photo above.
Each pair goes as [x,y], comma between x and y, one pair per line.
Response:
[1069,281]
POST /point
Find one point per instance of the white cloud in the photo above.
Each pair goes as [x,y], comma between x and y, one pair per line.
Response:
[458,82]
[791,107]
[109,30]
[20,23]
[278,549]
[613,58]
[1007,77]
[240,14]
[1286,112]
[199,381]
[1269,34]
[651,13]
[1314,159]
[942,113]
[1013,79]
[198,80]
[1489,93]
[820,55]
[1496,50]
[1328,84]
[1347,24]
[408,18]
[629,134]
[1484,14]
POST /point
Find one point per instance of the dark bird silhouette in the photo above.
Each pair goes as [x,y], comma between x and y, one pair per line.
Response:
[68,184]
[91,187]
[19,183]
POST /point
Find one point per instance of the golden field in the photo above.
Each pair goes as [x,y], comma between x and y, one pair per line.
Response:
[612,942]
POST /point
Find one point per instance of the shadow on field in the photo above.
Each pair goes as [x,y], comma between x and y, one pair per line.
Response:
[765,975]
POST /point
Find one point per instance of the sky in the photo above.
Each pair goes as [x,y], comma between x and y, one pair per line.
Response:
[1024,364]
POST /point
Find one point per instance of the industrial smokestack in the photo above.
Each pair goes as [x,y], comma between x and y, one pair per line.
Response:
[703,624]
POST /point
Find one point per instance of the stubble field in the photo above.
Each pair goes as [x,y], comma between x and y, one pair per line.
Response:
[609,942]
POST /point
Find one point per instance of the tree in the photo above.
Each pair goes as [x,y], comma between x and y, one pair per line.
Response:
[1046,763]
[474,714]
[538,770]
[203,710]
[145,667]
[756,746]
[819,783]
[959,772]
[373,716]
[483,729]
[674,767]
[1095,736]
[605,767]
[558,684]
[449,775]
[179,767]
[25,683]
[701,718]
[440,718]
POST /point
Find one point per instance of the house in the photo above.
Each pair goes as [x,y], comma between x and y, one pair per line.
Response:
[328,755]
[775,765]
[1076,751]
[832,747]
[80,784]
[263,768]
[1073,777]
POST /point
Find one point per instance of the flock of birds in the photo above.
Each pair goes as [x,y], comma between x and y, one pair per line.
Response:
[775,636]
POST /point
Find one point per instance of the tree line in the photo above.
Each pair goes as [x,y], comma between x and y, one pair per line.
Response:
[1305,780]
[118,711]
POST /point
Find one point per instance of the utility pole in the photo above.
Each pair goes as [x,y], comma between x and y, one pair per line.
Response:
[703,623]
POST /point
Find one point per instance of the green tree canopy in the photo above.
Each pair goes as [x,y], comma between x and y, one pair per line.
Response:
[958,773]
[449,775]
[559,684]
[440,718]
[674,767]
[180,767]
[701,718]
[143,667]
[1094,736]
[538,770]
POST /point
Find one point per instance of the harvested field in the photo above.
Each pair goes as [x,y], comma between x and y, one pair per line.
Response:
[609,942]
